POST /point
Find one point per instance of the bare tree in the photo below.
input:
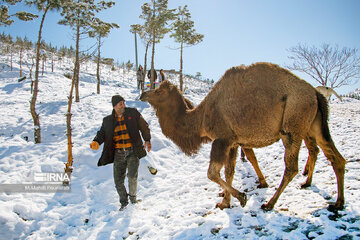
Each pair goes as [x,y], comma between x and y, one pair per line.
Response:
[329,66]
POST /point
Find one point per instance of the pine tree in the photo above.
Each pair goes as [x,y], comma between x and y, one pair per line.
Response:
[146,38]
[19,45]
[157,16]
[44,7]
[185,34]
[100,30]
[8,48]
[80,15]
[5,17]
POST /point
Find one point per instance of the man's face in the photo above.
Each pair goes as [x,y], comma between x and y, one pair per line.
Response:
[120,108]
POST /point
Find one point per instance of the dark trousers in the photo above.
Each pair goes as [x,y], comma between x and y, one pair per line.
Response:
[125,161]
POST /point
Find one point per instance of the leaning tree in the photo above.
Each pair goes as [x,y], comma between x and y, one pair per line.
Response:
[44,7]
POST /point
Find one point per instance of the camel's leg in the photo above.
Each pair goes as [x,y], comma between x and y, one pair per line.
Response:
[220,151]
[229,176]
[319,131]
[242,155]
[311,145]
[249,152]
[292,148]
[338,164]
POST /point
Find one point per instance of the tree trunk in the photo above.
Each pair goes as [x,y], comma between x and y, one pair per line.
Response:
[35,116]
[181,67]
[68,165]
[11,67]
[145,65]
[52,63]
[98,66]
[20,61]
[31,69]
[77,63]
[43,66]
[152,74]
[136,53]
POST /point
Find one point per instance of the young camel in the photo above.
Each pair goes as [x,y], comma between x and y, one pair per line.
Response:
[251,107]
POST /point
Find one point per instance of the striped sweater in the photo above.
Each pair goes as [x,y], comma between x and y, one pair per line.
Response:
[121,136]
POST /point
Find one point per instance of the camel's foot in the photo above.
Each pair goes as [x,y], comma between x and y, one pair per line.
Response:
[306,171]
[222,194]
[263,185]
[339,205]
[242,198]
[222,205]
[267,207]
[305,185]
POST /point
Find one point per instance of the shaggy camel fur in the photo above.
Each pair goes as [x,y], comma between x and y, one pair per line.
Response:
[327,92]
[250,155]
[251,107]
[254,162]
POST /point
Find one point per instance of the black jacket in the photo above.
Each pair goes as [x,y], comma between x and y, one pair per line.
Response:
[149,74]
[134,123]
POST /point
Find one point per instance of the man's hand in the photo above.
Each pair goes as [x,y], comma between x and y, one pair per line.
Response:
[94,145]
[148,146]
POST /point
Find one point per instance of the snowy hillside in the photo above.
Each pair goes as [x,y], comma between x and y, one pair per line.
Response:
[178,202]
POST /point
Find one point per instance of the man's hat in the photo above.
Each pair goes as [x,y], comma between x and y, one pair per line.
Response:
[116,99]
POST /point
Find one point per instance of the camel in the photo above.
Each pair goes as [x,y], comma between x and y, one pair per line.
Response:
[327,92]
[254,162]
[252,158]
[251,107]
[250,155]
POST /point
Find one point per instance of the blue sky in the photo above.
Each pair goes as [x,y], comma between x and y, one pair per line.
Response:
[236,32]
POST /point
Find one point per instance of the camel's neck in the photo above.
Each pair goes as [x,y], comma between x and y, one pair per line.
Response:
[182,127]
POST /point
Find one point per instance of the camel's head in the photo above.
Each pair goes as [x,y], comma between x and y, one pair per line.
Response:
[160,96]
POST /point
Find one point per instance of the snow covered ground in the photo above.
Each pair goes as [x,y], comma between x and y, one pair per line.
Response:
[178,202]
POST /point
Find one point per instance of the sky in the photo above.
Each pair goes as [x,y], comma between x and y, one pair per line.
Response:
[178,203]
[235,32]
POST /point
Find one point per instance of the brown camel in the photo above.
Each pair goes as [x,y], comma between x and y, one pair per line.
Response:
[250,155]
[252,158]
[251,107]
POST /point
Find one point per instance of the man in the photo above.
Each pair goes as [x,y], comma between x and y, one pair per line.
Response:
[140,77]
[149,75]
[161,76]
[120,133]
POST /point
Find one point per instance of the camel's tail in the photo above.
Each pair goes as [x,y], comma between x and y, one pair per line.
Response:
[339,97]
[323,108]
